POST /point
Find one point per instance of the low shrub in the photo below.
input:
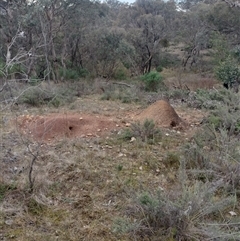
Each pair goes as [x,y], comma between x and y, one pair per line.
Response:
[35,97]
[152,81]
[120,74]
[4,188]
[38,96]
[214,155]
[146,132]
[73,74]
[212,99]
[188,213]
[159,68]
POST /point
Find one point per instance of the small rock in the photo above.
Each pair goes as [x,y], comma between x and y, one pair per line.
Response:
[127,124]
[133,139]
[9,222]
[121,155]
[232,213]
[109,147]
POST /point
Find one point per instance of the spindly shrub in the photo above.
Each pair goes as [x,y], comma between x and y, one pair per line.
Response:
[187,214]
[146,131]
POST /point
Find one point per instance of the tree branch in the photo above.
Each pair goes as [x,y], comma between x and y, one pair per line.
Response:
[232,4]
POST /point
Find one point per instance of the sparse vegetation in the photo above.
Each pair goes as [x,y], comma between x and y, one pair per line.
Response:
[79,161]
[188,214]
[146,131]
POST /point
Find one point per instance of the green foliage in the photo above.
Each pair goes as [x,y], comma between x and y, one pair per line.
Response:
[172,160]
[152,81]
[2,70]
[4,188]
[215,121]
[215,151]
[167,60]
[83,73]
[120,74]
[211,99]
[146,131]
[72,73]
[225,109]
[221,47]
[236,52]
[223,118]
[55,101]
[147,200]
[122,226]
[159,68]
[35,207]
[165,43]
[228,72]
[35,97]
[186,215]
[68,74]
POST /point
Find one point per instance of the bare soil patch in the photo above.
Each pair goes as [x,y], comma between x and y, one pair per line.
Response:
[58,126]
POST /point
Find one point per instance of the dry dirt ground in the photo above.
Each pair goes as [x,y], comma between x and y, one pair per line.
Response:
[108,118]
[83,176]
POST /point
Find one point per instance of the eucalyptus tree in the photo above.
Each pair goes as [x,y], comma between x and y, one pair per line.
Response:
[87,17]
[110,51]
[15,41]
[225,19]
[147,22]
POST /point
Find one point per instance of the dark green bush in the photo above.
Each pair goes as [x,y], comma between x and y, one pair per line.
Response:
[228,72]
[152,81]
[120,74]
[68,74]
[72,74]
[4,188]
[159,68]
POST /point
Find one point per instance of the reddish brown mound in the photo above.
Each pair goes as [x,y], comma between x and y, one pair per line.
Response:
[57,126]
[162,113]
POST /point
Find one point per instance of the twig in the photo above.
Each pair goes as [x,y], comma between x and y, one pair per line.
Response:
[30,178]
[4,85]
[121,83]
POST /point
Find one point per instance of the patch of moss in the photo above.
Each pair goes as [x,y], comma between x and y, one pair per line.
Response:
[4,188]
[35,207]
